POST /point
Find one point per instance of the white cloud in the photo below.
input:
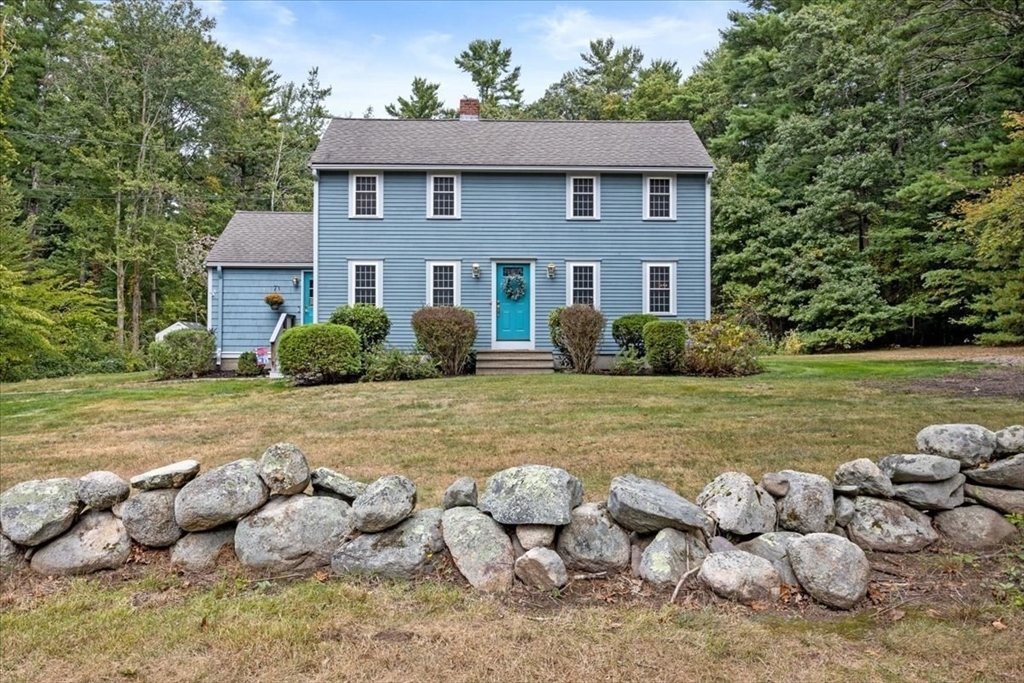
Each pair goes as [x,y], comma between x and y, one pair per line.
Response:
[213,8]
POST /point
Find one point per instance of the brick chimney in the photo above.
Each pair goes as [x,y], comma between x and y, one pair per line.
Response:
[469,109]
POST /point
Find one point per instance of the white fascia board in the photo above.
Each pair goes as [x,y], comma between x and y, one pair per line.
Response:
[229,264]
[700,170]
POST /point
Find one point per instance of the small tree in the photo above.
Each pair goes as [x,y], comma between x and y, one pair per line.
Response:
[446,333]
[582,329]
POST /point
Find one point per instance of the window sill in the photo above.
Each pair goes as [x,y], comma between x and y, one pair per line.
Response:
[585,219]
[660,220]
[366,218]
[444,218]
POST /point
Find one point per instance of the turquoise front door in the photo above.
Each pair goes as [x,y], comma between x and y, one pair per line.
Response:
[514,290]
[307,297]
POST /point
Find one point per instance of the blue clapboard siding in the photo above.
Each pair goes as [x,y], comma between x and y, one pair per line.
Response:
[248,322]
[510,216]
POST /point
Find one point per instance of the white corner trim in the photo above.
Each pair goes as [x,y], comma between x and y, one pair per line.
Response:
[209,298]
[707,247]
[671,196]
[316,243]
[568,197]
[569,267]
[458,195]
[379,280]
[456,282]
[673,287]
[352,195]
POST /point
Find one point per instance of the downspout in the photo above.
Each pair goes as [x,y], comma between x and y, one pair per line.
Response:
[220,313]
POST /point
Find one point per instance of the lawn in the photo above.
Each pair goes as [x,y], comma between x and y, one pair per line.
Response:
[803,413]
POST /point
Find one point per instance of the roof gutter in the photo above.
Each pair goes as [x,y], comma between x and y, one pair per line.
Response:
[513,169]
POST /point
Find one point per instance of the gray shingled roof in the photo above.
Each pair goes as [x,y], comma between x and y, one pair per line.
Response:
[552,144]
[265,238]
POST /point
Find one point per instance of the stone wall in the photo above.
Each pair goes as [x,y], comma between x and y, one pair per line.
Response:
[742,539]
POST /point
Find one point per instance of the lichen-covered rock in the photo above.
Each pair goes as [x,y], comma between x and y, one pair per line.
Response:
[531,494]
[98,541]
[283,468]
[12,558]
[738,504]
[102,490]
[844,510]
[480,548]
[907,468]
[775,484]
[149,518]
[809,504]
[740,577]
[645,505]
[1007,473]
[889,526]
[593,542]
[974,527]
[938,495]
[462,493]
[224,494]
[969,443]
[201,551]
[1010,440]
[33,512]
[831,569]
[535,535]
[293,533]
[328,482]
[541,568]
[863,478]
[1006,501]
[406,551]
[385,503]
[670,555]
[774,547]
[172,476]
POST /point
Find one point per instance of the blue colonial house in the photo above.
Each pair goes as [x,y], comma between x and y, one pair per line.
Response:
[507,218]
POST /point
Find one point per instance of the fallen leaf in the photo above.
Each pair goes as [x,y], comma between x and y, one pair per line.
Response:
[998,625]
[896,615]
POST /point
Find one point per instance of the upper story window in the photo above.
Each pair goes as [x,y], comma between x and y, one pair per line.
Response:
[365,279]
[444,195]
[443,283]
[583,284]
[365,196]
[583,197]
[659,198]
[660,288]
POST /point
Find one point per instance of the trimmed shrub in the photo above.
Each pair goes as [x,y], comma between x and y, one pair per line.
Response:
[446,333]
[721,348]
[555,327]
[665,341]
[628,332]
[320,353]
[185,353]
[370,323]
[395,365]
[582,329]
[247,365]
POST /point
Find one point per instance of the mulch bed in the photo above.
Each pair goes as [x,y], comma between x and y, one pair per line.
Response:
[998,382]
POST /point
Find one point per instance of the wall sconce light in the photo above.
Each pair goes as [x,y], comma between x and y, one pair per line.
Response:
[551,271]
[295,281]
[476,271]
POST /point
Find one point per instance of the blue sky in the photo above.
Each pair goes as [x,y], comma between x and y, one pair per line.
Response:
[369,52]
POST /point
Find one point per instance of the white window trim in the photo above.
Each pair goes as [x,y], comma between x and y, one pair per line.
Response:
[570,266]
[671,197]
[568,198]
[352,281]
[673,287]
[457,281]
[352,195]
[458,195]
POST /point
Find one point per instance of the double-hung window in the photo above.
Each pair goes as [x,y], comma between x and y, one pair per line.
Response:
[443,283]
[365,196]
[583,284]
[444,195]
[365,282]
[659,198]
[660,288]
[583,197]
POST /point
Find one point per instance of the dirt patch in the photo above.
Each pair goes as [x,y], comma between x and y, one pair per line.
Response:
[1005,382]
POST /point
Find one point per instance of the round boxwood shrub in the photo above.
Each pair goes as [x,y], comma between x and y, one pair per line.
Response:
[370,323]
[665,341]
[247,365]
[628,332]
[446,333]
[320,354]
[184,353]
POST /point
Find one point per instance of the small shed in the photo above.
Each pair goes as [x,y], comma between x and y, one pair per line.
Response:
[178,326]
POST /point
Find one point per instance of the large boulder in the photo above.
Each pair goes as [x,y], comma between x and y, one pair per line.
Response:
[938,495]
[593,542]
[1008,473]
[403,552]
[645,505]
[149,518]
[889,526]
[831,569]
[327,482]
[740,577]
[224,494]
[385,503]
[284,469]
[172,476]
[33,512]
[1006,501]
[969,443]
[98,541]
[12,558]
[974,527]
[862,478]
[535,535]
[201,551]
[738,504]
[461,493]
[531,494]
[809,504]
[1010,440]
[480,548]
[541,568]
[774,547]
[670,555]
[293,533]
[102,490]
[906,468]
